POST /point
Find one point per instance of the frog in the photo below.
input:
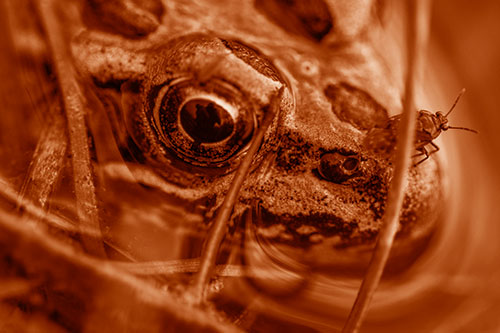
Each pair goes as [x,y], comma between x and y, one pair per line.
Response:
[177,96]
[312,171]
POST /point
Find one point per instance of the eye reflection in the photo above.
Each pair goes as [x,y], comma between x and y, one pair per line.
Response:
[205,121]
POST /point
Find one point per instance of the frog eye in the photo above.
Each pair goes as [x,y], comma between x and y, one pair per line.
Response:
[197,105]
[203,123]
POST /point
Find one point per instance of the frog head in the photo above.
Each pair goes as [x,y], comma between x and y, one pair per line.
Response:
[182,104]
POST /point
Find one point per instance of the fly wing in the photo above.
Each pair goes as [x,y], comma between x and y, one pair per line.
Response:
[380,142]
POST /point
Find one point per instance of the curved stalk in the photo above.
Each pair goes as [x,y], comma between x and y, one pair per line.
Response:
[74,106]
[416,36]
[219,227]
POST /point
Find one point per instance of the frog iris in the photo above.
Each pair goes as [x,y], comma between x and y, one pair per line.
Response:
[204,123]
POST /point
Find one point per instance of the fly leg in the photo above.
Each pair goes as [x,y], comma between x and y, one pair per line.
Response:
[436,148]
[424,151]
[420,152]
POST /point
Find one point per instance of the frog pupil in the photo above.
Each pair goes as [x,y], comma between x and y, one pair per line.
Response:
[205,121]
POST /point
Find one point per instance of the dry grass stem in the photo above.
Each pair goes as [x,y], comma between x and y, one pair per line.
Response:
[417,12]
[74,106]
[98,285]
[218,229]
[47,161]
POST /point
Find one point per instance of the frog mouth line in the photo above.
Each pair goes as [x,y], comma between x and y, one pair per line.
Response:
[305,231]
[329,242]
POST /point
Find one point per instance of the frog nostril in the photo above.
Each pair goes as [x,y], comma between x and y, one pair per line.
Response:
[338,168]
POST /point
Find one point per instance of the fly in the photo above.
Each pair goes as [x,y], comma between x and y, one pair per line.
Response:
[429,127]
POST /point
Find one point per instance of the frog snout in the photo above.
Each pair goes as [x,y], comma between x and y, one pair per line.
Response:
[337,167]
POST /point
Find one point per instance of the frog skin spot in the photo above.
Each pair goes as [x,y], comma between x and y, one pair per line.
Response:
[107,58]
[306,229]
[133,19]
[293,153]
[311,19]
[355,106]
[295,230]
[309,68]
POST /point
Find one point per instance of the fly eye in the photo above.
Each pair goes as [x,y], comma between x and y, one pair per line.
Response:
[204,123]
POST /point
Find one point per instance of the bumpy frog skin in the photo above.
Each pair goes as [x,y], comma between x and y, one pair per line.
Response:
[315,191]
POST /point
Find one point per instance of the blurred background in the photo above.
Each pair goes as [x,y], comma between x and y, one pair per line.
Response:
[468,36]
[465,53]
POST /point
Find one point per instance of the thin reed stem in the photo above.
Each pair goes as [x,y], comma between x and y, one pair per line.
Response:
[74,106]
[97,286]
[418,11]
[219,227]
